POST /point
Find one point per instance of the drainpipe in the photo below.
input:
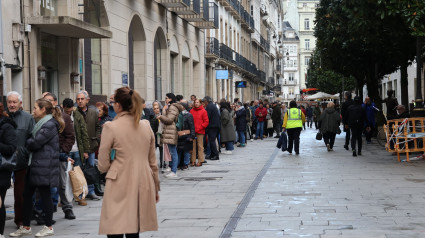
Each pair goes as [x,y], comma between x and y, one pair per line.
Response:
[2,62]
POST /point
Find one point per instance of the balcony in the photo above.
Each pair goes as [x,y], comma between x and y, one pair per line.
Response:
[224,3]
[174,3]
[264,44]
[193,8]
[62,19]
[203,14]
[212,48]
[234,9]
[278,69]
[226,55]
[213,18]
[289,82]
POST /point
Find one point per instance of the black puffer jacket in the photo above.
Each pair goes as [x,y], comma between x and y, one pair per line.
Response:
[213,116]
[44,168]
[7,147]
[184,142]
[356,116]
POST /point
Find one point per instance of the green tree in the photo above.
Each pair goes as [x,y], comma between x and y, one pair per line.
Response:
[354,40]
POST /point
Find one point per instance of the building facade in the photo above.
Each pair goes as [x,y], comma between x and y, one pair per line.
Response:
[64,46]
[291,75]
[245,46]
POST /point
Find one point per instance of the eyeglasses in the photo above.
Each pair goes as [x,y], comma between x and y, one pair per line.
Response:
[80,99]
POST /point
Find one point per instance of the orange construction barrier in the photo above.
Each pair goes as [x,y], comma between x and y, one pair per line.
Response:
[405,136]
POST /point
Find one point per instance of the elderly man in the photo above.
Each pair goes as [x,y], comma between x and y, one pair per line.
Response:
[25,123]
[93,131]
[402,112]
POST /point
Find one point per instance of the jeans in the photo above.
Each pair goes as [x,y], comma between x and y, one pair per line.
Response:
[174,157]
[76,157]
[186,156]
[260,129]
[241,135]
[229,146]
[91,161]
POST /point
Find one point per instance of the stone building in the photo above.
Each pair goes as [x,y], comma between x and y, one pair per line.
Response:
[64,46]
[291,76]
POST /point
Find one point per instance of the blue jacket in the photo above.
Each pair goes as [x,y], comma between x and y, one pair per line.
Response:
[241,119]
[370,114]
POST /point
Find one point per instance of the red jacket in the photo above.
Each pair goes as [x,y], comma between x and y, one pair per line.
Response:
[263,114]
[200,119]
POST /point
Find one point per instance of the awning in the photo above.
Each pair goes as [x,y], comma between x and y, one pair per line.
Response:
[68,27]
[310,89]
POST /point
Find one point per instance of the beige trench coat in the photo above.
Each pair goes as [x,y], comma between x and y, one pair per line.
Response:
[129,202]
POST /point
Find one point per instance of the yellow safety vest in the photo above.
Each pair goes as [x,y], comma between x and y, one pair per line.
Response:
[294,118]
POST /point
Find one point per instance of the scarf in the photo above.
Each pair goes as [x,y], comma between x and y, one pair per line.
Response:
[37,128]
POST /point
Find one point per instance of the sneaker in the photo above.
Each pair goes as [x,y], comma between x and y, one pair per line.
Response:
[243,145]
[171,175]
[329,147]
[2,236]
[46,231]
[227,152]
[93,197]
[21,232]
[168,169]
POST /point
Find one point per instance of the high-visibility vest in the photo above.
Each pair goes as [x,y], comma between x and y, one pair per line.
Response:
[294,118]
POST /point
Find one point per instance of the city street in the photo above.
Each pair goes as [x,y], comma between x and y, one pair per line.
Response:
[260,191]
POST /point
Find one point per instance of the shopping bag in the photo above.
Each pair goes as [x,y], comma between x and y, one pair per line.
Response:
[68,185]
[79,183]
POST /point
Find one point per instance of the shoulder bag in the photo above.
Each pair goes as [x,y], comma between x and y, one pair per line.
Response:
[9,163]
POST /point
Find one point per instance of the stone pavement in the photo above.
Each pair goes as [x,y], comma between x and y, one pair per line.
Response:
[262,192]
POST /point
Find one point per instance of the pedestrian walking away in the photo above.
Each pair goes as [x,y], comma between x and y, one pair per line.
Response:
[293,124]
[329,125]
[344,113]
[356,121]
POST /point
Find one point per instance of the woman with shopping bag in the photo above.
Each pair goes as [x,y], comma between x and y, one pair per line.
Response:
[132,182]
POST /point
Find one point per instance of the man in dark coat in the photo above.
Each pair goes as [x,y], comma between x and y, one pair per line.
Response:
[356,115]
[309,115]
[391,103]
[276,118]
[186,136]
[25,123]
[213,127]
[93,131]
[241,123]
[344,110]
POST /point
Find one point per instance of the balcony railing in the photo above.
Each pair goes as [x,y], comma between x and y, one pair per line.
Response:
[226,53]
[192,9]
[174,3]
[212,23]
[212,48]
[203,14]
[289,82]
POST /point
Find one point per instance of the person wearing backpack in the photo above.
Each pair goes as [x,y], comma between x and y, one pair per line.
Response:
[356,115]
[186,134]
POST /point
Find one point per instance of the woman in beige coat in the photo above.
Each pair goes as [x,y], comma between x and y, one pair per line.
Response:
[132,183]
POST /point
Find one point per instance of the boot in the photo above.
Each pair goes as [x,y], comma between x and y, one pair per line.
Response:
[98,189]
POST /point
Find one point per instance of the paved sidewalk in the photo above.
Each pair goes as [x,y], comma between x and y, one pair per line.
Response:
[316,194]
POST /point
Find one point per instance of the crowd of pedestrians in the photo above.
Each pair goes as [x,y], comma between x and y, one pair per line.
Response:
[121,137]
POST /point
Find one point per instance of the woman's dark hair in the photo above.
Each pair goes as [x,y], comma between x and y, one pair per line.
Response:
[292,104]
[104,108]
[179,97]
[172,97]
[68,103]
[224,105]
[130,101]
[2,111]
[50,109]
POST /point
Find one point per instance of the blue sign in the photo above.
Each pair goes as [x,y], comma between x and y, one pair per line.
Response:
[221,74]
[124,79]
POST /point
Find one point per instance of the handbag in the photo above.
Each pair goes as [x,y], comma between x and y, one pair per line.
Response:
[9,163]
[79,183]
[91,173]
[269,124]
[319,136]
